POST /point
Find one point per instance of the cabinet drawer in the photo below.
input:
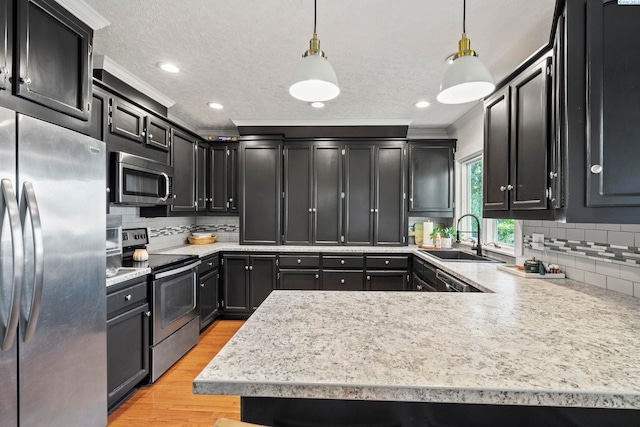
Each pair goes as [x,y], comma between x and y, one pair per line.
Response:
[342,280]
[126,298]
[208,264]
[418,266]
[299,261]
[387,262]
[342,262]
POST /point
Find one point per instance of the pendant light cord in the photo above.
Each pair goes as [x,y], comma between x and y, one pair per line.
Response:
[464,16]
[315,13]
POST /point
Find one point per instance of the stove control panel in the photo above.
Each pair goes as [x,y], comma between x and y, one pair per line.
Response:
[135,237]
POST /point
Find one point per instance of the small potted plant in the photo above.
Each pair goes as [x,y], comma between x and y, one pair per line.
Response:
[436,237]
[447,237]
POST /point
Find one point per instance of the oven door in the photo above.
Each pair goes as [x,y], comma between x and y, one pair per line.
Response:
[174,300]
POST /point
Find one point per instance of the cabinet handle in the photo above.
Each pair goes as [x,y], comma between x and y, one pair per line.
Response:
[202,285]
[25,80]
[251,267]
[299,260]
[596,169]
[419,287]
[503,188]
[210,264]
[127,297]
[386,262]
[376,210]
[148,314]
[371,210]
[342,281]
[368,278]
[317,276]
[553,175]
[246,267]
[310,210]
[315,210]
[509,187]
[150,135]
[230,200]
[341,262]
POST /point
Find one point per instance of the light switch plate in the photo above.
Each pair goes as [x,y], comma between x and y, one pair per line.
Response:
[537,241]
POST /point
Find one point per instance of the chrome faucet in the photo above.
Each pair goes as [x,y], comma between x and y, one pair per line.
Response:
[478,246]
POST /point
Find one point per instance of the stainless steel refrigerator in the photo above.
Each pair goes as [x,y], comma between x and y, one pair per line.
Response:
[52,266]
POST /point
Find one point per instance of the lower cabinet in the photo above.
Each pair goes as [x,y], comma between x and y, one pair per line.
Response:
[387,273]
[209,295]
[342,273]
[299,272]
[248,281]
[127,338]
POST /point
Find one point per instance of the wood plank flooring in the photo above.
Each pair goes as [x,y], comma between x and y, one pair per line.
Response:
[170,401]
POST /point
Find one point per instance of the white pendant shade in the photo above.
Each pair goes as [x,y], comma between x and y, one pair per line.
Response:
[314,80]
[466,79]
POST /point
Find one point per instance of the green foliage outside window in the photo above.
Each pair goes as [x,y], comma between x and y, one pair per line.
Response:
[505,231]
[475,192]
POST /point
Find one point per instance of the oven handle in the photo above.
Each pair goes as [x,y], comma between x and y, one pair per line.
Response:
[178,271]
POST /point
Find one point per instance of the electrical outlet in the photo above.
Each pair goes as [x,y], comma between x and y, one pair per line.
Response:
[537,241]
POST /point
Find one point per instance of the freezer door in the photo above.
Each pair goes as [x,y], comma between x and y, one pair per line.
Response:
[62,339]
[8,358]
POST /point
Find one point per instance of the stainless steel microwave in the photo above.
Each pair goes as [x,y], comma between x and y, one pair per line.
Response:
[138,181]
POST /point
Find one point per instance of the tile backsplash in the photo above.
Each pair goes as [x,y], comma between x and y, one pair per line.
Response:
[604,255]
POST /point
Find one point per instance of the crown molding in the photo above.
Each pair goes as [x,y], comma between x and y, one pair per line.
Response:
[85,13]
[105,63]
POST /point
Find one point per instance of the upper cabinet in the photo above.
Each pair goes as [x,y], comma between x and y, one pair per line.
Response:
[183,160]
[45,69]
[222,188]
[517,145]
[431,171]
[600,106]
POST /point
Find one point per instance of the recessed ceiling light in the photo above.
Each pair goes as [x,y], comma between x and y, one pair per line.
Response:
[317,104]
[216,106]
[169,68]
[423,104]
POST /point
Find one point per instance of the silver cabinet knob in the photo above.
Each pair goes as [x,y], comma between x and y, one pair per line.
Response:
[150,135]
[509,187]
[386,262]
[127,297]
[342,281]
[596,169]
[246,267]
[317,276]
[25,80]
[503,188]
[148,314]
[419,287]
[341,262]
[371,210]
[210,264]
[299,261]
[310,210]
[251,267]
[368,278]
[553,175]
[202,285]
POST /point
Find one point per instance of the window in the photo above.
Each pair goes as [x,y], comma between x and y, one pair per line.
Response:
[498,231]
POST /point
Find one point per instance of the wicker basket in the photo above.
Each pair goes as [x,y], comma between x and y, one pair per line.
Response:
[202,240]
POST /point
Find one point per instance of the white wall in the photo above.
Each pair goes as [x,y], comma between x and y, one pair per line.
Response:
[469,131]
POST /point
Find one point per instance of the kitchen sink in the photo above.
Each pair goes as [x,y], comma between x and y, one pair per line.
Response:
[457,256]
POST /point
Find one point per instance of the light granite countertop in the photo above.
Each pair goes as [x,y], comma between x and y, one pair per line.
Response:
[530,342]
[127,273]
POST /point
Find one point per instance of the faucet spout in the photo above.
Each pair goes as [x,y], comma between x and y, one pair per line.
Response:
[478,246]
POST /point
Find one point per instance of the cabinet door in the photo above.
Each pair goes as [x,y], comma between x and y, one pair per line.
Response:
[327,191]
[127,120]
[236,284]
[359,195]
[389,196]
[298,195]
[530,136]
[99,115]
[53,55]
[201,177]
[613,100]
[158,133]
[127,352]
[183,159]
[387,281]
[262,273]
[260,175]
[232,178]
[209,298]
[218,179]
[431,178]
[6,41]
[496,152]
[299,280]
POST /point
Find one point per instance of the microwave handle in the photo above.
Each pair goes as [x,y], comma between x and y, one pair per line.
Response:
[166,191]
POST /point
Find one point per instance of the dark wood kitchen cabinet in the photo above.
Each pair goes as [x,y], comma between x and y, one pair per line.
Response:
[431,172]
[248,281]
[45,62]
[387,272]
[126,120]
[223,178]
[342,272]
[127,338]
[202,200]
[183,159]
[209,295]
[260,173]
[518,144]
[375,194]
[312,208]
[299,272]
[157,133]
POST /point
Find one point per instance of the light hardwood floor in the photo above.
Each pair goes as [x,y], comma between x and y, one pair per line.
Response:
[170,402]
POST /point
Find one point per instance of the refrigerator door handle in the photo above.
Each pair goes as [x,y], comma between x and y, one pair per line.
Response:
[8,203]
[29,202]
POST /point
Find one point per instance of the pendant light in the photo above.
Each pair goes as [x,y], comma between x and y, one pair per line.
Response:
[314,79]
[466,78]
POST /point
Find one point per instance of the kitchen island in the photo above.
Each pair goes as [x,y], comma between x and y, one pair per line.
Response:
[542,352]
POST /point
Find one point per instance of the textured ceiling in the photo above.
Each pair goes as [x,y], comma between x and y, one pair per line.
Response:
[241,53]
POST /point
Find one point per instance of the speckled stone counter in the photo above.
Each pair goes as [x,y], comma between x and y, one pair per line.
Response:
[530,342]
[127,274]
